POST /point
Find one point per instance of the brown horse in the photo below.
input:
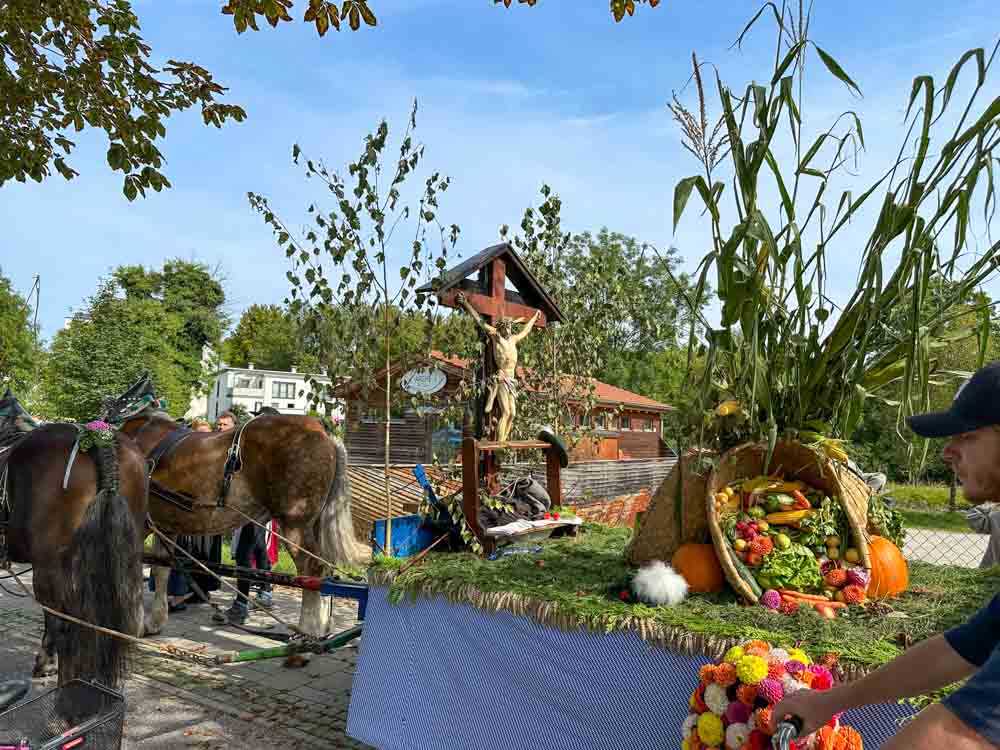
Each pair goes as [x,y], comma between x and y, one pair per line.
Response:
[82,533]
[292,471]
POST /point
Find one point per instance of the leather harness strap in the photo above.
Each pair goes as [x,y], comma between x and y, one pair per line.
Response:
[234,463]
[162,449]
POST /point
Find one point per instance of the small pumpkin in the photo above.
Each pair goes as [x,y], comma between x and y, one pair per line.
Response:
[699,566]
[890,575]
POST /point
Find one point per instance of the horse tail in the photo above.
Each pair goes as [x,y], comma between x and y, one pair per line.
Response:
[104,574]
[335,526]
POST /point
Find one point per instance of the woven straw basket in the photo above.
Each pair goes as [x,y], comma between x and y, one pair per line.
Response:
[792,461]
[666,524]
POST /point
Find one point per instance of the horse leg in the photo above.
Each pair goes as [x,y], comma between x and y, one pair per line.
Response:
[46,664]
[156,617]
[315,616]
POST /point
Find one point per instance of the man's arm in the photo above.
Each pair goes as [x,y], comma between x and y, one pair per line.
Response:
[935,728]
[474,314]
[928,666]
[527,328]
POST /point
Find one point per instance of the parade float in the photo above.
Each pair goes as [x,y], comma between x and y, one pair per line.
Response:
[593,641]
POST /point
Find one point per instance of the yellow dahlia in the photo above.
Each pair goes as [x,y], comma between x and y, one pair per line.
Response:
[710,729]
[751,670]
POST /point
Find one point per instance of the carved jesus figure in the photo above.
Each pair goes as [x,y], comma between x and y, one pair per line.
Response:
[502,388]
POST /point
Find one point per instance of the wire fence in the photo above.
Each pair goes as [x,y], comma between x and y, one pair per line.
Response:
[939,547]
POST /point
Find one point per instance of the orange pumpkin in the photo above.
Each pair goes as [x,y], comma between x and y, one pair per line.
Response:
[890,574]
[700,567]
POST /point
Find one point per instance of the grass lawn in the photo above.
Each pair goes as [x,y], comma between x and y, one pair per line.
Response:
[940,521]
[285,563]
[924,496]
[576,584]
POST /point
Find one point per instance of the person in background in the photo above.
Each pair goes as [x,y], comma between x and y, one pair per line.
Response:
[225,422]
[180,591]
[249,547]
[969,718]
[985,519]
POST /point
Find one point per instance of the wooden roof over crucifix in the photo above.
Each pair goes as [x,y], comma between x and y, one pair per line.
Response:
[487,293]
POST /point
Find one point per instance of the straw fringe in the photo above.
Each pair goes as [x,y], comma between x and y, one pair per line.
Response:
[548,614]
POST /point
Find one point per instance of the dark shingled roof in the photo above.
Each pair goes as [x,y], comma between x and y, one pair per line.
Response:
[531,292]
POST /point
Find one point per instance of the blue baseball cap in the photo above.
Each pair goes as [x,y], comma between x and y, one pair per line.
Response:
[976,405]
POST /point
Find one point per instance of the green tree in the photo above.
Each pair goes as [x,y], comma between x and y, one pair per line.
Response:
[66,65]
[193,295]
[105,348]
[327,13]
[266,335]
[138,320]
[341,266]
[17,340]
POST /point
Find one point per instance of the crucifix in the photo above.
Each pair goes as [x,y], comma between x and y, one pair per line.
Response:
[496,310]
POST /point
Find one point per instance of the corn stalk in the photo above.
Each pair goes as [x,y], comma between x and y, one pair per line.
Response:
[791,357]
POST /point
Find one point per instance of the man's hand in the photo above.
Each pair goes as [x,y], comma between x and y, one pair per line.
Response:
[460,298]
[814,707]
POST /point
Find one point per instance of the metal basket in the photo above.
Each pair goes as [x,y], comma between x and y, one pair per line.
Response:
[79,714]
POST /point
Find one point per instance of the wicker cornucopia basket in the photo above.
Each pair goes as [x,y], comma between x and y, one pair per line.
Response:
[792,461]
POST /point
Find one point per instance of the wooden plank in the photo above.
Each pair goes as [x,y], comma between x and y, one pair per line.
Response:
[516,445]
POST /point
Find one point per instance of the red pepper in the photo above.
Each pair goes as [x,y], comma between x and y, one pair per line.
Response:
[801,503]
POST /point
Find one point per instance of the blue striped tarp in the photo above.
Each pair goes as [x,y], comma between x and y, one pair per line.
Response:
[433,675]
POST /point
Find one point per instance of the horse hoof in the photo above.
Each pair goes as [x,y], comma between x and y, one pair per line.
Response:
[148,630]
[296,661]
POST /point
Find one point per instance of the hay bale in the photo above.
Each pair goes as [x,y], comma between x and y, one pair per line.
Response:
[791,460]
[665,527]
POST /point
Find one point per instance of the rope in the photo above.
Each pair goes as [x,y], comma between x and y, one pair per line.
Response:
[166,651]
[290,543]
[164,538]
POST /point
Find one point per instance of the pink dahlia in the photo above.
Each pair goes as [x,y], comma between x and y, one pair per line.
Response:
[771,690]
[771,599]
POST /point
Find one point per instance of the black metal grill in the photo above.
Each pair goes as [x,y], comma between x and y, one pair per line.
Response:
[78,715]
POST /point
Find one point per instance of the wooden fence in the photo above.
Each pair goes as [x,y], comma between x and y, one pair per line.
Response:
[597,480]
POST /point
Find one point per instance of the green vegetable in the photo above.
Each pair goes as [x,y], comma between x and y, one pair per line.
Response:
[746,575]
[793,568]
[757,512]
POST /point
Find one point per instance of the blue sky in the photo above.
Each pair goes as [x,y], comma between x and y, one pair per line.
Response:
[509,99]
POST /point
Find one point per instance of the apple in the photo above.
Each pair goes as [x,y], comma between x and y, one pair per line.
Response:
[852,555]
[833,553]
[740,545]
[763,526]
[783,541]
[833,541]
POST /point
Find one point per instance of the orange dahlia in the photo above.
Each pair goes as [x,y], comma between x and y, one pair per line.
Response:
[763,719]
[854,594]
[707,673]
[725,674]
[747,694]
[757,648]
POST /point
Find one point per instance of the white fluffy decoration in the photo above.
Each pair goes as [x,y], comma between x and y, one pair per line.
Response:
[659,584]
[716,699]
[687,728]
[778,656]
[736,736]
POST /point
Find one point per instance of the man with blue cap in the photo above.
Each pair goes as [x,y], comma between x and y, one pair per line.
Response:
[968,719]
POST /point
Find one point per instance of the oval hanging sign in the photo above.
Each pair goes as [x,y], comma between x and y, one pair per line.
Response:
[424,382]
